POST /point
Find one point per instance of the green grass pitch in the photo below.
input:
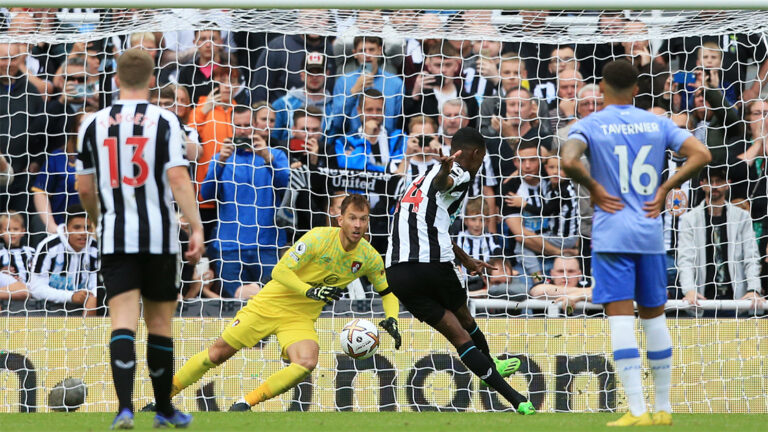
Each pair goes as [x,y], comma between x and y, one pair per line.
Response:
[369,422]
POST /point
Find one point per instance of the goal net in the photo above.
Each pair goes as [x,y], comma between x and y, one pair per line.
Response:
[346,101]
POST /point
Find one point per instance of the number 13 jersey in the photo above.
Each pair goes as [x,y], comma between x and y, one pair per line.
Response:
[423,217]
[627,147]
[129,147]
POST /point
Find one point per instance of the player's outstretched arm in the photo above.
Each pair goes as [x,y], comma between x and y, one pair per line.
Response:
[570,155]
[473,266]
[184,194]
[697,155]
[443,181]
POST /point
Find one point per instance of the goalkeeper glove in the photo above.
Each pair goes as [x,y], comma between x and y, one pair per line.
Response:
[324,293]
[390,325]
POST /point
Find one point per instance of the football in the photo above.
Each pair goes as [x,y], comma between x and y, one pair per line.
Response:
[359,339]
[67,395]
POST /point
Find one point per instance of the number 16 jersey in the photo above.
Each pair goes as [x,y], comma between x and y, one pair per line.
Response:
[626,147]
[129,147]
[423,217]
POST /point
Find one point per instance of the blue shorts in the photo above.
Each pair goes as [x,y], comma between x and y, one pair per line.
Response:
[627,276]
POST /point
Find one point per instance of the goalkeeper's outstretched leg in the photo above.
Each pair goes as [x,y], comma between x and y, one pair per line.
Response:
[302,354]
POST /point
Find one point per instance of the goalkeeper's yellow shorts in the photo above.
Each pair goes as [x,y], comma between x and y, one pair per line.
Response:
[251,325]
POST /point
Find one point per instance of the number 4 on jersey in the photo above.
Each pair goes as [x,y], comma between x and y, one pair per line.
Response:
[413,196]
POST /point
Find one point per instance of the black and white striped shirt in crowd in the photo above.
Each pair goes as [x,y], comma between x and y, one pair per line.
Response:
[58,271]
[562,205]
[481,247]
[423,217]
[17,261]
[129,147]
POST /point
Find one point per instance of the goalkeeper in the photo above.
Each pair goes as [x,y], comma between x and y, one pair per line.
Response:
[306,278]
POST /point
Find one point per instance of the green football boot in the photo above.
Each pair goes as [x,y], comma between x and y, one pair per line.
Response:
[505,368]
[526,408]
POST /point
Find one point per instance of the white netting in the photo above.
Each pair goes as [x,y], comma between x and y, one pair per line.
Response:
[521,78]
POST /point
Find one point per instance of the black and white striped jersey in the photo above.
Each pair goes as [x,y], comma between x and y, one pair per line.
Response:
[562,207]
[481,247]
[58,271]
[129,147]
[17,261]
[423,217]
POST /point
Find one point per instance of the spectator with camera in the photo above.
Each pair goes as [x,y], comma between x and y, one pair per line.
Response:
[312,94]
[517,124]
[306,152]
[246,178]
[439,81]
[739,51]
[349,87]
[422,150]
[717,250]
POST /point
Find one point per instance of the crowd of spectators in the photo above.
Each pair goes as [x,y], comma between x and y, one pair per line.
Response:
[280,126]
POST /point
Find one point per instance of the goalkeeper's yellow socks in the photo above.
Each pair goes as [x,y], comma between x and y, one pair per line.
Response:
[193,370]
[278,383]
[658,344]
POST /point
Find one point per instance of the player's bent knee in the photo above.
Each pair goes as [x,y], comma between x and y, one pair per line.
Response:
[307,361]
[220,351]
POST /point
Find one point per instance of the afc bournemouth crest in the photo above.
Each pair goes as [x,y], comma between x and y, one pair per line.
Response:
[356,266]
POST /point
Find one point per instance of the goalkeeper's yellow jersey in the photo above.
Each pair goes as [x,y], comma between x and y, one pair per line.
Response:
[317,259]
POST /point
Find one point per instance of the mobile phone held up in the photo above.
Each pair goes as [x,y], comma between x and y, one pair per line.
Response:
[684,78]
[367,68]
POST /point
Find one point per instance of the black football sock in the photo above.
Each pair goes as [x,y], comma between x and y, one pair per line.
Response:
[123,362]
[480,342]
[160,363]
[479,364]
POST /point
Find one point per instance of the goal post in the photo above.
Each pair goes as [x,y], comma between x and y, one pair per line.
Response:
[505,71]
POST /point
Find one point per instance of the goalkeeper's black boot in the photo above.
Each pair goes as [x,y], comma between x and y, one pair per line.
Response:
[150,407]
[240,406]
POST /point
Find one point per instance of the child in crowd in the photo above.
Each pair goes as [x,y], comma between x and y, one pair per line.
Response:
[476,241]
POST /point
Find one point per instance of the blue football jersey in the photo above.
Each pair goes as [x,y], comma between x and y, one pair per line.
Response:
[626,147]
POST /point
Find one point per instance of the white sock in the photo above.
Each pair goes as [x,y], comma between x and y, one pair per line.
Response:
[626,357]
[659,347]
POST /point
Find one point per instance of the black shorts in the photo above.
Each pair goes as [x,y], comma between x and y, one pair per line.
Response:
[155,276]
[427,290]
